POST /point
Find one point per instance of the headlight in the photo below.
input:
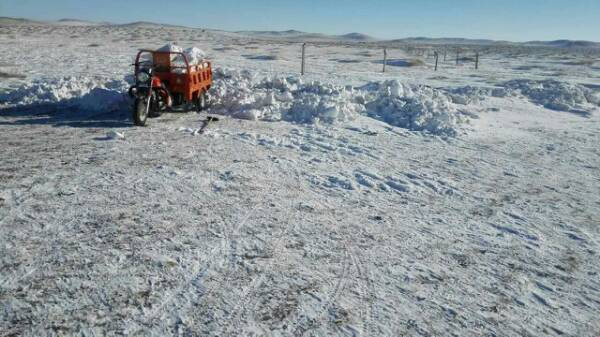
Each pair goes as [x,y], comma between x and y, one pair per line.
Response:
[143,77]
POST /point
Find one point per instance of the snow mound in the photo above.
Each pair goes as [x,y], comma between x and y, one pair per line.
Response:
[414,107]
[92,94]
[556,95]
[473,95]
[241,94]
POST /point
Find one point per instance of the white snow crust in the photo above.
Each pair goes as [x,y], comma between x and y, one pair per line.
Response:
[344,202]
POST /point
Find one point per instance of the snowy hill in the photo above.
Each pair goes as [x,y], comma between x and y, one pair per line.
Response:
[300,36]
[83,23]
[18,21]
[565,44]
[303,36]
[357,37]
[447,41]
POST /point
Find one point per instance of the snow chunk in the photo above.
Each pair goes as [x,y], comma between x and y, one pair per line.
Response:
[171,48]
[194,55]
[114,135]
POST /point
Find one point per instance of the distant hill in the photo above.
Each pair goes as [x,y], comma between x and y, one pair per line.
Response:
[147,24]
[299,36]
[450,41]
[77,22]
[18,21]
[303,36]
[357,37]
[565,44]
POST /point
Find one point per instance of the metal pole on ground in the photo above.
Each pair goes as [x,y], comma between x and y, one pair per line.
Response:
[384,58]
[477,61]
[436,60]
[303,58]
[457,56]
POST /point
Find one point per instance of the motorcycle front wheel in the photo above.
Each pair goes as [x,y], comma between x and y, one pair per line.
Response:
[140,114]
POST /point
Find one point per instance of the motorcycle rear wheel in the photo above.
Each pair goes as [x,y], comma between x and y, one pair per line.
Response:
[202,102]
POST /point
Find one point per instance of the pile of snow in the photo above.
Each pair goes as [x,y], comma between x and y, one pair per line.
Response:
[473,95]
[555,95]
[194,55]
[87,93]
[413,107]
[551,94]
[242,95]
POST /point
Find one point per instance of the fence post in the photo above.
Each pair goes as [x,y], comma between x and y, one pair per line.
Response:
[384,58]
[476,60]
[436,54]
[303,58]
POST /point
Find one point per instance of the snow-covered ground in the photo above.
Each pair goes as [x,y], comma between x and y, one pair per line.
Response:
[343,202]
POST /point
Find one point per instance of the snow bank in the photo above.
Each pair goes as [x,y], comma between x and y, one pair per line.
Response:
[417,108]
[555,95]
[551,94]
[242,95]
[92,94]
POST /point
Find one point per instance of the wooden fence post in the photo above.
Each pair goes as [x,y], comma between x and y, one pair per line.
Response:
[303,58]
[476,60]
[436,54]
[384,58]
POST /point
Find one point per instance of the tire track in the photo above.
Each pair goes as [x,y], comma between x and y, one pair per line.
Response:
[340,286]
[240,309]
[196,275]
[367,292]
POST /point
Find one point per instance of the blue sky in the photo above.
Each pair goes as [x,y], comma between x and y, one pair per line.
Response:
[516,20]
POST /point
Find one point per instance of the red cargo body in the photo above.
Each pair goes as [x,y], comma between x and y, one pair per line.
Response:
[188,80]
